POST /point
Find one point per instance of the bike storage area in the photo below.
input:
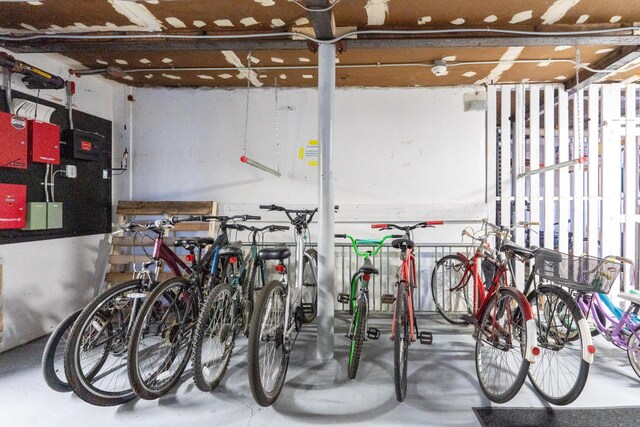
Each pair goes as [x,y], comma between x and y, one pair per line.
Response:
[319,212]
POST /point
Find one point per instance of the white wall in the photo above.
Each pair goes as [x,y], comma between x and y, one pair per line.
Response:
[399,154]
[45,280]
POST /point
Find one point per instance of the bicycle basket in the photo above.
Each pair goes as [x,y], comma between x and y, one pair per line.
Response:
[583,273]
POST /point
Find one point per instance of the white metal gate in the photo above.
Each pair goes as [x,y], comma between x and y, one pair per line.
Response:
[589,207]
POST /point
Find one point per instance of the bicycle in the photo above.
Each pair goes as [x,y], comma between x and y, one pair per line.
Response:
[161,335]
[359,304]
[94,358]
[281,311]
[228,309]
[404,329]
[504,327]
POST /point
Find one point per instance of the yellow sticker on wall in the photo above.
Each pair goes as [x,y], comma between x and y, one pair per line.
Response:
[309,153]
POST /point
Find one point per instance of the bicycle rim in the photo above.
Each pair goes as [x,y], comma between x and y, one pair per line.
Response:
[452,301]
[309,289]
[500,347]
[633,351]
[560,372]
[401,343]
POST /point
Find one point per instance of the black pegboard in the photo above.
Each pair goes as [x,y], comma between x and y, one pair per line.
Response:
[86,199]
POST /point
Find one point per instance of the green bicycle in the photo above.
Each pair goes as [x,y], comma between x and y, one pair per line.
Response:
[359,304]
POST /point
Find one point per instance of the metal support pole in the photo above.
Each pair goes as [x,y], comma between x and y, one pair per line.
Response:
[326,91]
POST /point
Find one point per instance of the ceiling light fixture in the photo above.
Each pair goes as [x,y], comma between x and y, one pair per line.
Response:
[439,68]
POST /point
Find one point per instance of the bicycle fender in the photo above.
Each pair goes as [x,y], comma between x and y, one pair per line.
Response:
[586,340]
[532,339]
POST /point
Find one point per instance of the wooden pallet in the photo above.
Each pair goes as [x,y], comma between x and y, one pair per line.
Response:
[121,259]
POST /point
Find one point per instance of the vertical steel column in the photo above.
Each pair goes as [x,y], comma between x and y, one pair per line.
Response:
[326,91]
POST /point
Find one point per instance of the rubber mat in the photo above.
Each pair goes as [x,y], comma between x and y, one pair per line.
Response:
[570,417]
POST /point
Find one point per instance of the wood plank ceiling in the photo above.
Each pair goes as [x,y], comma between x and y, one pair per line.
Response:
[290,63]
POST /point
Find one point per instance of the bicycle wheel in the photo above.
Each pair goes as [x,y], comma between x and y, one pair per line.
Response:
[357,339]
[401,342]
[94,358]
[161,338]
[53,356]
[452,300]
[214,338]
[267,358]
[501,365]
[309,288]
[560,372]
[633,351]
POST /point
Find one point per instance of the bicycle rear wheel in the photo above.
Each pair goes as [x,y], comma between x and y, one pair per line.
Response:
[267,357]
[53,356]
[501,344]
[94,358]
[309,287]
[401,342]
[560,371]
[357,339]
[452,298]
[633,351]
[161,338]
[214,338]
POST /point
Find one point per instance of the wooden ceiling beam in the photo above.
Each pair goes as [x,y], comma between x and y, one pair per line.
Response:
[138,45]
[617,59]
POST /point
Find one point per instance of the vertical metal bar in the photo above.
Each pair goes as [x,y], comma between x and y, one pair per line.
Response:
[419,280]
[491,148]
[534,159]
[388,275]
[630,181]
[611,187]
[578,173]
[563,173]
[518,168]
[505,158]
[326,93]
[549,159]
[593,222]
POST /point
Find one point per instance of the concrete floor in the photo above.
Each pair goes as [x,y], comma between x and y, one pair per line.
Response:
[442,388]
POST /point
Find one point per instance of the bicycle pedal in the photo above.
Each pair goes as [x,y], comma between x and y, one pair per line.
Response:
[425,338]
[388,299]
[307,308]
[344,298]
[373,333]
[469,318]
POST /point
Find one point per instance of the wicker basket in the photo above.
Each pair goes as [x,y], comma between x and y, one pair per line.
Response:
[583,273]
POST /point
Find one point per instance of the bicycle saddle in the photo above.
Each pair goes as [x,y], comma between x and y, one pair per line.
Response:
[368,268]
[634,299]
[200,242]
[234,249]
[508,245]
[399,243]
[274,252]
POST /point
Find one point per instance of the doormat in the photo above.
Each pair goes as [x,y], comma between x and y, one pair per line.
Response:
[570,417]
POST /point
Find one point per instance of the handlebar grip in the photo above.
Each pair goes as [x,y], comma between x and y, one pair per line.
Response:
[534,223]
[625,260]
[280,227]
[439,222]
[250,217]
[340,236]
[379,225]
[397,236]
[268,207]
[183,218]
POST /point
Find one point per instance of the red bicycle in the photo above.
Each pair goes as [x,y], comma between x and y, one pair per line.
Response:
[404,329]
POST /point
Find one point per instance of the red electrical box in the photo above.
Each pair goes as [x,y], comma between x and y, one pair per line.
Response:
[13,202]
[13,141]
[44,140]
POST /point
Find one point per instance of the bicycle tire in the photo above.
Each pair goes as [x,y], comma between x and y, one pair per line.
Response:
[444,297]
[174,332]
[401,342]
[215,326]
[560,372]
[53,354]
[88,384]
[633,351]
[309,287]
[269,313]
[501,313]
[357,340]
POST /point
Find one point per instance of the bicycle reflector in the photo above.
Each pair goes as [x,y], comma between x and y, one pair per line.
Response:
[591,349]
[535,351]
[280,268]
[366,277]
[233,260]
[190,257]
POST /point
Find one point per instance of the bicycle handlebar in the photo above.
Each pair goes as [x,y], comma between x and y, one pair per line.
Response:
[267,228]
[423,224]
[203,218]
[355,242]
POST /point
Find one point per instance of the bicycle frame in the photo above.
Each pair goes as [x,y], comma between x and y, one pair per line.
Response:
[623,326]
[406,272]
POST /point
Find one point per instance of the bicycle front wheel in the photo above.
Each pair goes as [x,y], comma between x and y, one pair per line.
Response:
[452,297]
[560,371]
[357,339]
[401,342]
[309,287]
[53,356]
[501,344]
[214,338]
[161,338]
[268,359]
